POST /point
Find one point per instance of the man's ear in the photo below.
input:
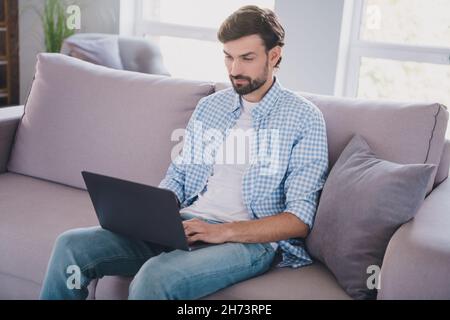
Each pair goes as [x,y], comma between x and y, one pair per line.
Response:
[274,55]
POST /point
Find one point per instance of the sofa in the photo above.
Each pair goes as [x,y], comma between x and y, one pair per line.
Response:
[132,53]
[80,116]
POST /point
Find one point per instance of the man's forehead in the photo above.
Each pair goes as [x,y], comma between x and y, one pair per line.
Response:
[244,45]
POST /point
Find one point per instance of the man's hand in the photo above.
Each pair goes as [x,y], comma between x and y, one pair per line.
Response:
[198,230]
[275,228]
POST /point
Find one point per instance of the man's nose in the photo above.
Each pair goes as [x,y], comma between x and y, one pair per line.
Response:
[235,68]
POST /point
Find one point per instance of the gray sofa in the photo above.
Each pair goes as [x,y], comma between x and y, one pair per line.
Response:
[80,116]
[135,53]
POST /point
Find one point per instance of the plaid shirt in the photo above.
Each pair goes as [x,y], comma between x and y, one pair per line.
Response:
[289,182]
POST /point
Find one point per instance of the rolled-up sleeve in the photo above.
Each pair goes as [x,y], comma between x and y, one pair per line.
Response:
[174,181]
[307,169]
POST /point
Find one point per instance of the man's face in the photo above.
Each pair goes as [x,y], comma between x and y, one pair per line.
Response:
[247,64]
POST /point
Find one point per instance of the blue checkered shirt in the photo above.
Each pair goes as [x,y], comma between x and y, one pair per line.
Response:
[301,162]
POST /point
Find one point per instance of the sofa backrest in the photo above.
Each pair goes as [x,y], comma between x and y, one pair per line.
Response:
[80,116]
[402,132]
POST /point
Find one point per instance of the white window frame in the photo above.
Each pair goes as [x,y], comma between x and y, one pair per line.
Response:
[137,26]
[352,49]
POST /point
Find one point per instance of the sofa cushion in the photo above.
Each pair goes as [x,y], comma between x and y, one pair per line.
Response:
[80,116]
[364,201]
[308,283]
[33,213]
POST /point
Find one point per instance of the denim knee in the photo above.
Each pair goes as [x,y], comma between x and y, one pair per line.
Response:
[154,282]
[71,244]
[64,240]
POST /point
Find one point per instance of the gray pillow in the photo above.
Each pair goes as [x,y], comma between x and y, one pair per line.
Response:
[364,201]
[104,51]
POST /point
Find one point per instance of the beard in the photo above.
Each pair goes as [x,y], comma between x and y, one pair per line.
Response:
[252,84]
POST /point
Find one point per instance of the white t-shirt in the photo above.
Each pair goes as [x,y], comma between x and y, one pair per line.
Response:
[222,200]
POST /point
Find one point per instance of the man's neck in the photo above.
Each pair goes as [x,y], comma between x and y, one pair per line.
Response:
[259,94]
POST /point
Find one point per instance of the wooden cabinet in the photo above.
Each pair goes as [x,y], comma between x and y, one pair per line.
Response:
[9,53]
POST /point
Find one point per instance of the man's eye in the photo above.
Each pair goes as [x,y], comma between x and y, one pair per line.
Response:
[228,57]
[248,59]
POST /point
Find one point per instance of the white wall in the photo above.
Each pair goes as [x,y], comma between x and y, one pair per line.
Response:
[312,43]
[96,16]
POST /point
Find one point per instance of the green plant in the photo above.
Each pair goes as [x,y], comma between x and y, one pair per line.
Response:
[55,26]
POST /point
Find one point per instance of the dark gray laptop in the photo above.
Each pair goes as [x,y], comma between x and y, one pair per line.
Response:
[138,211]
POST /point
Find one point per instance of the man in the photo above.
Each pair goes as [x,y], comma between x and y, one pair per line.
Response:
[252,210]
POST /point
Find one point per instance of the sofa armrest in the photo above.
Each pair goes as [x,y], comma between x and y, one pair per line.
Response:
[417,261]
[9,120]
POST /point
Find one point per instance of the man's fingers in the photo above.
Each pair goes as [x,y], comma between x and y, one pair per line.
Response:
[194,238]
[189,232]
[194,225]
[195,230]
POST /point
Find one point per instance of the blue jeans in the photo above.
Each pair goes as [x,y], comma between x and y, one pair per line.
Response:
[159,272]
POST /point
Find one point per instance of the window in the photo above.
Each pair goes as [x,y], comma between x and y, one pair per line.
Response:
[399,50]
[186,32]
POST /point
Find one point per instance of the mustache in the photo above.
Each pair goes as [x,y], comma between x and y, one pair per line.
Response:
[240,78]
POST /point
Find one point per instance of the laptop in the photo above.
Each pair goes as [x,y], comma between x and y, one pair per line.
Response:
[138,211]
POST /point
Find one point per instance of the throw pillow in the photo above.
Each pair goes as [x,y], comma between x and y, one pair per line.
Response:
[364,201]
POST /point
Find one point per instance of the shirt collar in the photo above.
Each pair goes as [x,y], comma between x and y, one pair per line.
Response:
[267,102]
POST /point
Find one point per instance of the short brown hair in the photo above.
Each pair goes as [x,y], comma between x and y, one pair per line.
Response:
[250,20]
